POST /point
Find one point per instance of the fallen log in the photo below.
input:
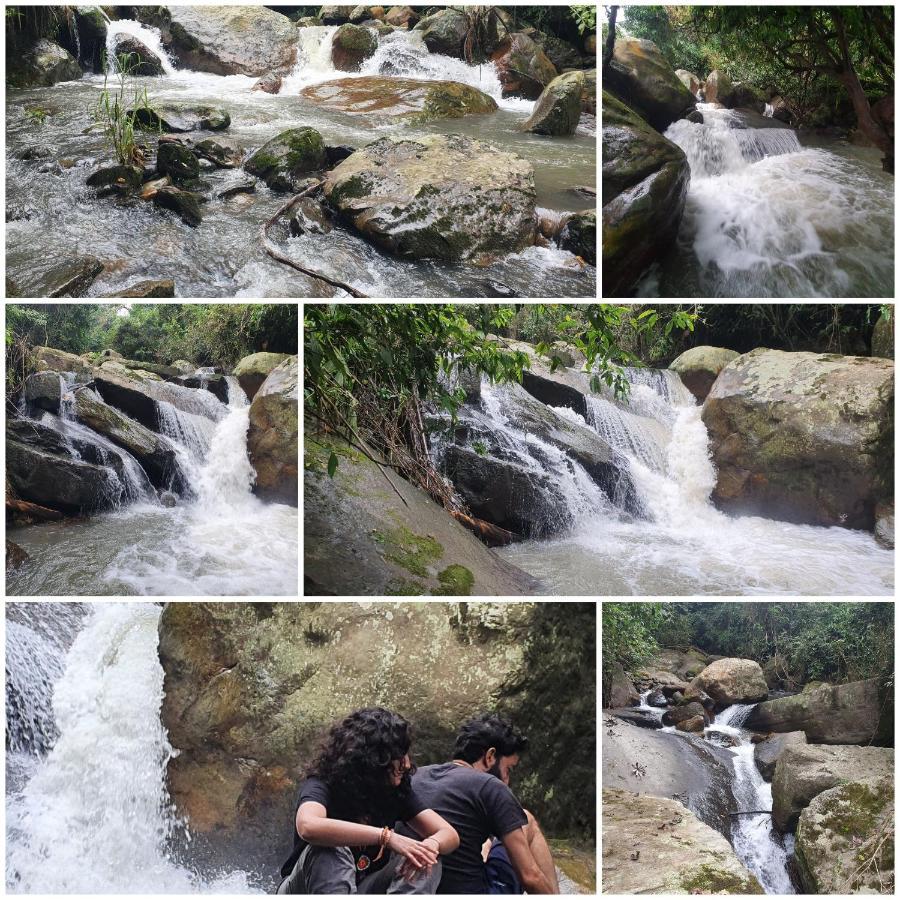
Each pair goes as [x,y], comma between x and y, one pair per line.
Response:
[32,510]
[492,535]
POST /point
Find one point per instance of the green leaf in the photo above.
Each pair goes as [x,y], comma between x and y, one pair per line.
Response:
[332,464]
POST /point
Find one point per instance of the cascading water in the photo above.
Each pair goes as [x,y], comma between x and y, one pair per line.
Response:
[756,842]
[92,813]
[766,217]
[681,544]
[147,35]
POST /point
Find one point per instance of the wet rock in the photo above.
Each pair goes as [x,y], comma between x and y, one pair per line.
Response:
[683,766]
[883,336]
[269,83]
[164,287]
[768,751]
[718,87]
[699,367]
[335,15]
[309,22]
[640,77]
[689,80]
[730,681]
[178,118]
[310,217]
[92,28]
[351,46]
[272,436]
[657,698]
[560,52]
[802,437]
[694,725]
[640,718]
[168,499]
[215,384]
[124,179]
[182,202]
[445,32]
[589,93]
[15,556]
[177,161]
[439,196]
[645,182]
[225,155]
[695,116]
[44,390]
[840,826]
[558,109]
[523,68]
[407,99]
[683,713]
[803,772]
[243,186]
[745,96]
[854,713]
[149,189]
[884,526]
[653,845]
[579,236]
[338,153]
[287,158]
[231,40]
[71,278]
[139,58]
[400,16]
[253,370]
[41,65]
[620,691]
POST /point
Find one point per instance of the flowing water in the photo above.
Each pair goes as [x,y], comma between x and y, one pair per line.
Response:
[52,214]
[87,811]
[221,541]
[768,217]
[679,543]
[756,842]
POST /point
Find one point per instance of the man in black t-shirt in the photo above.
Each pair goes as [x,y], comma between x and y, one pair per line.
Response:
[472,793]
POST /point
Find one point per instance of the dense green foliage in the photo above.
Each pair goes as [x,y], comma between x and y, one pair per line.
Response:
[629,636]
[794,51]
[552,700]
[204,334]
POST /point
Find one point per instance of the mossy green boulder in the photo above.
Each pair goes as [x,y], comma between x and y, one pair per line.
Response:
[284,161]
[253,370]
[41,65]
[558,109]
[176,118]
[699,367]
[440,196]
[177,161]
[351,46]
[645,182]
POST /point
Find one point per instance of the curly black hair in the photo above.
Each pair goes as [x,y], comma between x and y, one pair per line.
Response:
[478,735]
[355,763]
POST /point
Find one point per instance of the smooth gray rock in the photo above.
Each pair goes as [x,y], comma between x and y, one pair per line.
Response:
[767,752]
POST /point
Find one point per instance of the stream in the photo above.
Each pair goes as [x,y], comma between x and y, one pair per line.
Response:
[769,214]
[51,213]
[87,810]
[677,542]
[221,541]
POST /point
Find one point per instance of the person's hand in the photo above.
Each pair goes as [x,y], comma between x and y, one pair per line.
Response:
[418,857]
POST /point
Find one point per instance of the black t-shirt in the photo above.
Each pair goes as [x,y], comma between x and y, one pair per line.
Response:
[478,806]
[315,790]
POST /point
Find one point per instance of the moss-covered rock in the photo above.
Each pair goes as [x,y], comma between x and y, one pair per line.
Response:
[803,437]
[175,160]
[351,46]
[43,64]
[441,196]
[558,109]
[252,370]
[184,203]
[49,359]
[284,161]
[699,367]
[883,335]
[124,179]
[176,118]
[141,60]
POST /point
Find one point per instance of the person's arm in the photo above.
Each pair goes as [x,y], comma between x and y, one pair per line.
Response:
[432,827]
[526,868]
[314,827]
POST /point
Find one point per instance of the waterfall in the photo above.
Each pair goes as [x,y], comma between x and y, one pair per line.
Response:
[94,816]
[756,842]
[146,34]
[769,111]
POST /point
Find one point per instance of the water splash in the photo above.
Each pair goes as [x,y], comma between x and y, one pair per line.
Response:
[150,37]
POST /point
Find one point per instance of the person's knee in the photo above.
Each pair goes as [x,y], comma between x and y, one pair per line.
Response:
[328,870]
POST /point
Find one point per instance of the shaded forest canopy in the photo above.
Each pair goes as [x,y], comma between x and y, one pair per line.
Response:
[834,642]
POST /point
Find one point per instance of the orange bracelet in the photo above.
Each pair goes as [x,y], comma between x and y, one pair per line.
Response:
[383,842]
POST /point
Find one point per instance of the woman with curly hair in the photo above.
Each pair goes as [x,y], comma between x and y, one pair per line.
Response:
[355,791]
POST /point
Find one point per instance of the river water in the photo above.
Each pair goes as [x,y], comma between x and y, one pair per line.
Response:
[770,216]
[224,541]
[679,544]
[87,811]
[52,214]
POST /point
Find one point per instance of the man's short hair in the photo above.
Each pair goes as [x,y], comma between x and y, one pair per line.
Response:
[478,735]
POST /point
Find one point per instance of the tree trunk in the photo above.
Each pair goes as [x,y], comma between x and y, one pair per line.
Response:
[610,38]
[867,124]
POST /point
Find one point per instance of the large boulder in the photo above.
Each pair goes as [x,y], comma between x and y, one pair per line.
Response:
[699,367]
[43,390]
[620,692]
[689,80]
[51,278]
[767,752]
[41,65]
[845,839]
[558,109]
[804,437]
[745,96]
[730,681]
[445,32]
[854,713]
[177,118]
[250,689]
[439,196]
[683,713]
[561,53]
[401,17]
[641,78]
[804,771]
[366,534]
[231,40]
[524,69]
[49,359]
[685,664]
[141,60]
[407,99]
[253,370]
[351,46]
[683,767]
[645,182]
[286,160]
[653,845]
[883,335]
[718,87]
[272,437]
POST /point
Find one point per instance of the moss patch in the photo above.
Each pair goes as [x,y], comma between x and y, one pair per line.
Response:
[410,551]
[456,581]
[712,880]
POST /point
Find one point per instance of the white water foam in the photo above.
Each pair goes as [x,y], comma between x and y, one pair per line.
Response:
[146,34]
